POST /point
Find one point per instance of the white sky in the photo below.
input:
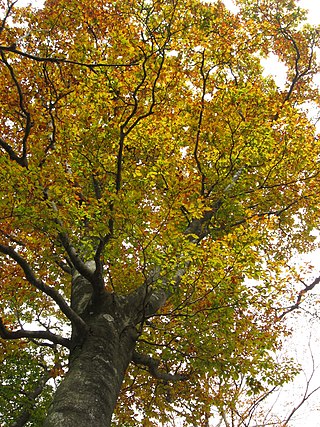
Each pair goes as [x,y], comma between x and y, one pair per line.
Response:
[309,415]
[314,10]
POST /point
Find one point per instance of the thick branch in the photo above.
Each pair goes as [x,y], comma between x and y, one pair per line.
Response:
[154,301]
[12,154]
[98,285]
[22,333]
[57,60]
[48,290]
[79,265]
[64,267]
[153,368]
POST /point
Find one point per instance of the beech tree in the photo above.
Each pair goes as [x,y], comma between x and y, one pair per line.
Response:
[155,184]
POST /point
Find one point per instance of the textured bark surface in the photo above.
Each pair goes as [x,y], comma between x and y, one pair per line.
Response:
[88,394]
[98,361]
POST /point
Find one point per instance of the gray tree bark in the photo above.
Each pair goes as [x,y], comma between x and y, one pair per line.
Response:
[98,359]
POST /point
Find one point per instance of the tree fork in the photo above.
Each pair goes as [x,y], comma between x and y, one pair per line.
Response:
[98,361]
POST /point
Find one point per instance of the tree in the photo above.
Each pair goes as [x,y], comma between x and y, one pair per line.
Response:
[149,170]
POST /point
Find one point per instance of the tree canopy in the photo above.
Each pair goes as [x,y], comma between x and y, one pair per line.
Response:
[144,151]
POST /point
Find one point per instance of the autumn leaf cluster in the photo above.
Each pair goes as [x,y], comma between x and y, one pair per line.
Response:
[122,124]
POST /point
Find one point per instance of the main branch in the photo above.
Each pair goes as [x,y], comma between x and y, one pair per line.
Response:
[41,286]
[57,60]
[153,367]
[23,333]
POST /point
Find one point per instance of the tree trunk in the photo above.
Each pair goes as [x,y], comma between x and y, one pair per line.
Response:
[87,395]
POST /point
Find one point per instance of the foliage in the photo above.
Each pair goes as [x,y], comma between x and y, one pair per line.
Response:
[17,392]
[146,135]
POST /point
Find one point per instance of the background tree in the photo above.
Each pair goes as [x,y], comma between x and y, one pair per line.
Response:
[148,171]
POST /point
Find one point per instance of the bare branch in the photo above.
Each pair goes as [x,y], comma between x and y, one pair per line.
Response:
[196,147]
[153,368]
[300,296]
[23,333]
[79,265]
[41,286]
[298,73]
[56,60]
[10,7]
[65,267]
[307,393]
[12,154]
